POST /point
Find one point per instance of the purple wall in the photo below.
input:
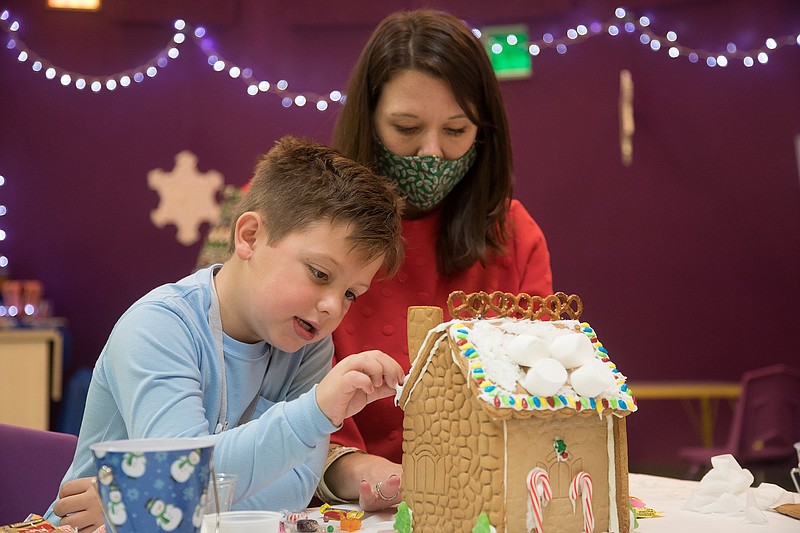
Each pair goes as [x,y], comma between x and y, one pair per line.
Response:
[688,261]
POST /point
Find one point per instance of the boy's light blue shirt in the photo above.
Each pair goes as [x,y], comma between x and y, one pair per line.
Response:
[159,376]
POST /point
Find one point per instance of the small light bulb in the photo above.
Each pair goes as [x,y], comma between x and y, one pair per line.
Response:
[771,44]
[674,52]
[286,102]
[50,73]
[512,40]
[497,48]
[22,56]
[299,100]
[748,61]
[66,79]
[252,90]
[111,84]
[762,58]
[322,105]
[80,84]
[335,96]
[179,25]
[263,86]
[572,34]
[179,38]
[534,50]
[151,72]
[672,36]
[282,85]
[620,13]
[234,72]
[613,30]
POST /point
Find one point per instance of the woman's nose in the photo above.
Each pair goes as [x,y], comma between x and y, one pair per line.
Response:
[431,145]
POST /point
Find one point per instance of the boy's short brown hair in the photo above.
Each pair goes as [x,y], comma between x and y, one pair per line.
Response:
[300,182]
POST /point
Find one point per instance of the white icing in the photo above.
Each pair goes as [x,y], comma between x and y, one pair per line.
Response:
[613,518]
[438,330]
[505,470]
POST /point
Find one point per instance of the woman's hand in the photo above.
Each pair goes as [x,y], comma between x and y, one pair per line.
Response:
[375,481]
[79,505]
[380,495]
[356,381]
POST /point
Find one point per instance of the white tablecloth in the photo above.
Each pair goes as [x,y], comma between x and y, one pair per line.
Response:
[662,494]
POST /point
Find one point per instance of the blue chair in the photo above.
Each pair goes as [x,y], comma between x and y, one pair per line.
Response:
[32,464]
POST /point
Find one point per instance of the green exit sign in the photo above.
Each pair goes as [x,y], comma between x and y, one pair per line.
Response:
[507,47]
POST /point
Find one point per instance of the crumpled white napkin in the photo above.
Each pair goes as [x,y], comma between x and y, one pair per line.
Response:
[726,490]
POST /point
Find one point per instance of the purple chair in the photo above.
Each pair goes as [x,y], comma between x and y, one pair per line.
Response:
[766,423]
[32,464]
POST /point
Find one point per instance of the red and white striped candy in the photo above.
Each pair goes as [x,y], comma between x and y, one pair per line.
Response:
[582,485]
[539,494]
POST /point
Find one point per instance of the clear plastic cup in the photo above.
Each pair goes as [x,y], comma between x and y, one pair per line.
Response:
[226,487]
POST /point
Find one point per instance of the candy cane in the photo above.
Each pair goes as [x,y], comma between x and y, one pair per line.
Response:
[539,494]
[582,484]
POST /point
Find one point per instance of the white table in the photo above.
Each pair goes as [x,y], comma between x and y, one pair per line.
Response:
[662,494]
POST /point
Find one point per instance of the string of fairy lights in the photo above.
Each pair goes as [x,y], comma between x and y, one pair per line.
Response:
[620,23]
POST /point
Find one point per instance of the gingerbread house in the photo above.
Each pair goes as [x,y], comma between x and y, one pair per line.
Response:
[485,432]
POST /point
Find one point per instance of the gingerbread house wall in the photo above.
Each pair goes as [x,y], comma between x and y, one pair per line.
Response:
[452,452]
[530,444]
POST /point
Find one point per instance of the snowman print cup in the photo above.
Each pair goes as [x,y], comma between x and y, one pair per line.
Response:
[153,485]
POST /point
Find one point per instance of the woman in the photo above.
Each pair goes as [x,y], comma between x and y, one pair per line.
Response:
[424,108]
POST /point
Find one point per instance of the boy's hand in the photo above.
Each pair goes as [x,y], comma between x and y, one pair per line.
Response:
[79,505]
[356,381]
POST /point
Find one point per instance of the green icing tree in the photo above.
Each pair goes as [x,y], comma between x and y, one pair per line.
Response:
[402,519]
[482,525]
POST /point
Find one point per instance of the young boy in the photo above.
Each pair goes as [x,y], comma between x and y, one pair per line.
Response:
[243,350]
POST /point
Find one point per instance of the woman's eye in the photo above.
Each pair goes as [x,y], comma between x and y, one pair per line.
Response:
[350,295]
[455,132]
[319,274]
[406,130]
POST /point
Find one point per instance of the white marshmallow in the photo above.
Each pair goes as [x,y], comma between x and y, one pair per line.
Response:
[545,378]
[526,350]
[572,350]
[592,378]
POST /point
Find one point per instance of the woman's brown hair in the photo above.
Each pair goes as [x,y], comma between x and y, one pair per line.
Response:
[440,45]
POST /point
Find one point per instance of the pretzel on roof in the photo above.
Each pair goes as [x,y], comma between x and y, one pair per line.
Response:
[504,304]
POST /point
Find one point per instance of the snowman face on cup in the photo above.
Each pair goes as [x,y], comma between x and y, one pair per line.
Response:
[153,485]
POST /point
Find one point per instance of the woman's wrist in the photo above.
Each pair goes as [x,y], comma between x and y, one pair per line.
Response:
[331,475]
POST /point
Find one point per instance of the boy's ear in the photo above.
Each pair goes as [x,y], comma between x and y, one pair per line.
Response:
[248,226]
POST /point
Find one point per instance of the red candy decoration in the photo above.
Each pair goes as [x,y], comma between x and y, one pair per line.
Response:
[497,401]
[524,403]
[551,402]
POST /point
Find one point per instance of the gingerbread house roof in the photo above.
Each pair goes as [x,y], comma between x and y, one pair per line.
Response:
[481,342]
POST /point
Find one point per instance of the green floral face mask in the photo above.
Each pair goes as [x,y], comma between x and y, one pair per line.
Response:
[423,180]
